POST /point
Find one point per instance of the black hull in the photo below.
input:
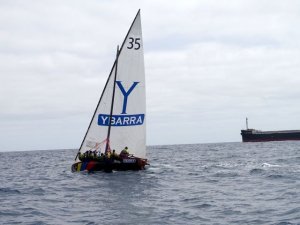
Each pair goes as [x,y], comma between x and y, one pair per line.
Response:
[110,165]
[252,135]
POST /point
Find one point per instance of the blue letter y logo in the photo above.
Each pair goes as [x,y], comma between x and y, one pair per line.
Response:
[126,94]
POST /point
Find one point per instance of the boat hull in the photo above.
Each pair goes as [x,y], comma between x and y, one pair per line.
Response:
[110,165]
[252,135]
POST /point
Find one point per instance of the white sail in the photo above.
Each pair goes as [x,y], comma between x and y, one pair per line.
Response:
[128,120]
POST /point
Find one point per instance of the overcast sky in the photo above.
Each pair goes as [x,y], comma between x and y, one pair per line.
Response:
[209,65]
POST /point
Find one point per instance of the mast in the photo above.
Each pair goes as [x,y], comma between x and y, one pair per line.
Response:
[247,123]
[112,101]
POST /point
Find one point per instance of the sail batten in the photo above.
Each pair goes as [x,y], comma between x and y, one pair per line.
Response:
[120,116]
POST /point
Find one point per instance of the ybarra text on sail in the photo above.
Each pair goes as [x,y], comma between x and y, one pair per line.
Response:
[124,119]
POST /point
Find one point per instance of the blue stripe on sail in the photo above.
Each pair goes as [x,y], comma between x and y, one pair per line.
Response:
[121,120]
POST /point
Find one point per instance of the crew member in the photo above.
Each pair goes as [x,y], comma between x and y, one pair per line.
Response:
[124,152]
[114,155]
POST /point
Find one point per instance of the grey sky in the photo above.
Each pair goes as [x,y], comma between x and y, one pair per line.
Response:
[209,64]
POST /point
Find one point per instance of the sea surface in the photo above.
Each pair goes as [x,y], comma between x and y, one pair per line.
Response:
[223,183]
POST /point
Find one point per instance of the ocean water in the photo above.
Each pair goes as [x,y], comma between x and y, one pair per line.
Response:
[224,183]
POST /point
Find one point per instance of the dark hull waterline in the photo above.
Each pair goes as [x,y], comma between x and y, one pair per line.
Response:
[110,165]
[252,135]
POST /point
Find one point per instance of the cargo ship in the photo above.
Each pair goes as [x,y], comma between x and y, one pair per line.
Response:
[252,135]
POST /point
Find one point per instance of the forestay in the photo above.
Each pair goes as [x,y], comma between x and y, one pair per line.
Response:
[128,120]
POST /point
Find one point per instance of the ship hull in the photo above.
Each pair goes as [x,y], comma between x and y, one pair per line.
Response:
[110,165]
[251,135]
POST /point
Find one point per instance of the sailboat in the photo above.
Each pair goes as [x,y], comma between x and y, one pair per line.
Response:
[116,136]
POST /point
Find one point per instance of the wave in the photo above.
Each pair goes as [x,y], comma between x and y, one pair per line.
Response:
[225,174]
[269,165]
[284,223]
[256,171]
[276,176]
[202,206]
[9,191]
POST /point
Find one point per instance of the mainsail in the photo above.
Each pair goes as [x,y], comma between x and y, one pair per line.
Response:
[122,105]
